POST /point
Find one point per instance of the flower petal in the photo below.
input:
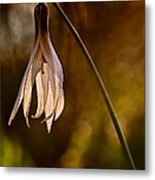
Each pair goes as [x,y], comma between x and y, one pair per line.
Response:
[34,69]
[27,95]
[40,96]
[45,80]
[55,73]
[60,105]
[46,51]
[22,86]
[57,65]
[58,98]
[58,102]
[49,123]
[49,108]
[51,56]
[48,80]
[18,101]
[56,78]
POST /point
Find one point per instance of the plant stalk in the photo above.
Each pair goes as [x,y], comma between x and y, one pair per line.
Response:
[107,99]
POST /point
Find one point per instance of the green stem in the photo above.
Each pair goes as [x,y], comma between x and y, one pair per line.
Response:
[109,104]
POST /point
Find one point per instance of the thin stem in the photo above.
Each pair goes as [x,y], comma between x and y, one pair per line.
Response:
[107,99]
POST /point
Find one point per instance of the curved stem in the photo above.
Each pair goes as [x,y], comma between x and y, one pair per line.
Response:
[107,99]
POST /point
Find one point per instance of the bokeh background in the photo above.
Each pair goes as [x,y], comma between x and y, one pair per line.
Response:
[84,136]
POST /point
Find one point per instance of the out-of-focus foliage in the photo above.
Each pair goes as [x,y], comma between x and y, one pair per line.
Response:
[83,137]
[12,154]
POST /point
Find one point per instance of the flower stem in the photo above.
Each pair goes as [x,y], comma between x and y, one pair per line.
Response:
[107,99]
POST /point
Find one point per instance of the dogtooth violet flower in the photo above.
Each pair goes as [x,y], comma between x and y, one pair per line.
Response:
[44,69]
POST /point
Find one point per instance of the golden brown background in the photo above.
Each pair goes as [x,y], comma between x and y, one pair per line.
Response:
[84,136]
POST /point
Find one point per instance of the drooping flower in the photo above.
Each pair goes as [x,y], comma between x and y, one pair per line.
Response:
[44,69]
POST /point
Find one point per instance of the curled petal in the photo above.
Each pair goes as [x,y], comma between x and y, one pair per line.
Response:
[45,80]
[40,96]
[49,123]
[58,98]
[22,86]
[50,76]
[51,56]
[57,64]
[49,108]
[18,101]
[56,81]
[37,64]
[60,105]
[34,69]
[55,94]
[27,95]
[45,48]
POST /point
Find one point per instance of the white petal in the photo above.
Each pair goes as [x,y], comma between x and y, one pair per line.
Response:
[58,96]
[49,108]
[57,65]
[37,63]
[55,77]
[48,81]
[51,56]
[45,80]
[49,123]
[58,102]
[27,95]
[47,54]
[34,69]
[45,48]
[50,76]
[22,86]
[18,100]
[60,105]
[40,96]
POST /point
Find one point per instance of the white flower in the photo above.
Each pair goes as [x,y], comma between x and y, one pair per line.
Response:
[45,70]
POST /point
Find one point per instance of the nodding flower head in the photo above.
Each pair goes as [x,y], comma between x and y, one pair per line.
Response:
[45,70]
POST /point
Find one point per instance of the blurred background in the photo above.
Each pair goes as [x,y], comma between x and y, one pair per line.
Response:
[84,136]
